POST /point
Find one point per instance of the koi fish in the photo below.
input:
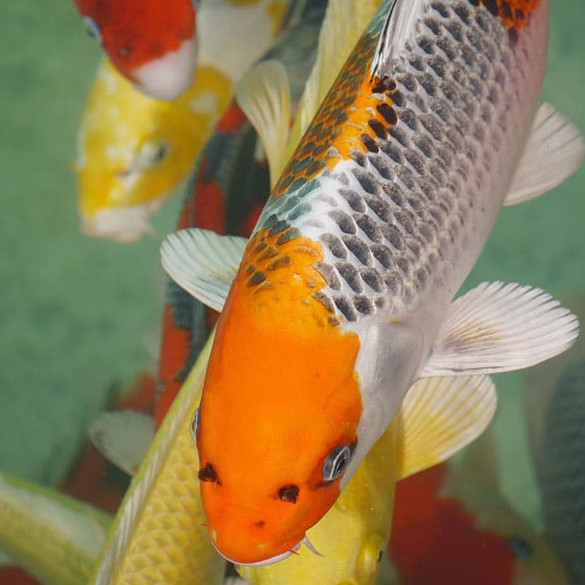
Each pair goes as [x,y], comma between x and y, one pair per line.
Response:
[342,298]
[556,414]
[226,194]
[54,537]
[153,44]
[135,150]
[452,526]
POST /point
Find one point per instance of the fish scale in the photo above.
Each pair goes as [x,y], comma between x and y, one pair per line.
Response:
[395,214]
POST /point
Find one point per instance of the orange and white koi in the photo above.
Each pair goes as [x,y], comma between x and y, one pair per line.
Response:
[134,150]
[152,43]
[342,298]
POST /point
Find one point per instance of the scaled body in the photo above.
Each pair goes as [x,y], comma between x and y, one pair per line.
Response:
[343,295]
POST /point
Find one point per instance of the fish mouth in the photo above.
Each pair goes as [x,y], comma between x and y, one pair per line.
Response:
[167,77]
[271,560]
[122,224]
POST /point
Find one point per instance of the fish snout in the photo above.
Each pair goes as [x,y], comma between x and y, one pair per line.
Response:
[252,539]
[168,76]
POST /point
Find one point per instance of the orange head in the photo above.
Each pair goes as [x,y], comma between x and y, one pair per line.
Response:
[151,42]
[278,419]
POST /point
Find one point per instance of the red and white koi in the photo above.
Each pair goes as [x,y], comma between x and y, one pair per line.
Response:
[152,43]
[343,296]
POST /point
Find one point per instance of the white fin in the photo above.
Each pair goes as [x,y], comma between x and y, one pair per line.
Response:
[123,437]
[343,24]
[440,416]
[553,152]
[264,96]
[499,327]
[399,26]
[203,263]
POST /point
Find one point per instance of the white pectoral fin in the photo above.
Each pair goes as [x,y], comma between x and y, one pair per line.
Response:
[553,152]
[264,96]
[440,416]
[203,263]
[123,437]
[499,327]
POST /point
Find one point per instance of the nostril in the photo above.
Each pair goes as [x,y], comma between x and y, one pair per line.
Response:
[260,524]
[208,473]
[289,493]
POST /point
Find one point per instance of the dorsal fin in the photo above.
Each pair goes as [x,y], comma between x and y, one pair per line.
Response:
[399,26]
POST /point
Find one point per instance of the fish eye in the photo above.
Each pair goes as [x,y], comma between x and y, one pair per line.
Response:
[336,463]
[92,28]
[520,547]
[153,154]
[289,493]
[195,423]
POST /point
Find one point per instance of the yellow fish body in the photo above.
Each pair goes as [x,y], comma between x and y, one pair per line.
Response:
[134,150]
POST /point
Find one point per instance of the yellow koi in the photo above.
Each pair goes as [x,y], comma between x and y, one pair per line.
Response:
[134,150]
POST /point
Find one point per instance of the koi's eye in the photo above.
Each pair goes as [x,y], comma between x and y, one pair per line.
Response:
[153,154]
[289,493]
[336,463]
[195,424]
[92,28]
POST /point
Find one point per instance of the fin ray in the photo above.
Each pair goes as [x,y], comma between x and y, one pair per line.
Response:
[203,263]
[499,327]
[441,415]
[264,96]
[123,437]
[553,152]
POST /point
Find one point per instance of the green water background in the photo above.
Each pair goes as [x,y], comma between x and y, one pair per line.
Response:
[74,311]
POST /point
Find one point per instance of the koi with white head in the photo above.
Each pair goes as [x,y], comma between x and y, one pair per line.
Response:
[343,297]
[152,43]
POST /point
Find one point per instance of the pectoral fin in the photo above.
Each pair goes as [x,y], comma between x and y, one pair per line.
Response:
[553,152]
[203,263]
[500,327]
[123,437]
[440,416]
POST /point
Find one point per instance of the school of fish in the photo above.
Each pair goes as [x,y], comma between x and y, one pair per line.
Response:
[340,366]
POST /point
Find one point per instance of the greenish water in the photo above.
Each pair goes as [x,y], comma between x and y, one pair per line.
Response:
[74,311]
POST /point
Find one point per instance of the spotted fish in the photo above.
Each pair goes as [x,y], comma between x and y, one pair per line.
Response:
[343,296]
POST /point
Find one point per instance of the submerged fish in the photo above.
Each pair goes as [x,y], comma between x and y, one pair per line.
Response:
[135,150]
[54,537]
[452,526]
[555,397]
[227,192]
[343,295]
[152,43]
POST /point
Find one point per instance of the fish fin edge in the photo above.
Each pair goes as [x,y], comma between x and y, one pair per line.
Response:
[554,151]
[122,437]
[203,263]
[441,415]
[499,327]
[264,96]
